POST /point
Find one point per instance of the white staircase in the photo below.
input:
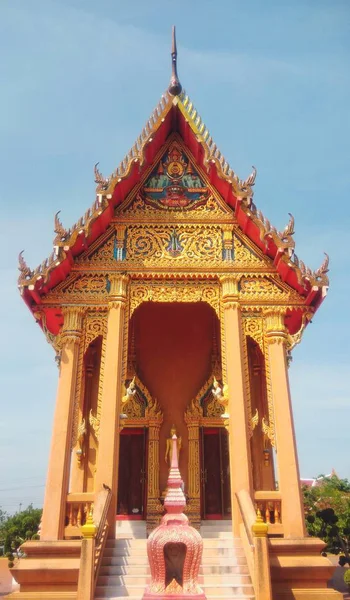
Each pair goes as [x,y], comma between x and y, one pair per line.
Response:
[125,573]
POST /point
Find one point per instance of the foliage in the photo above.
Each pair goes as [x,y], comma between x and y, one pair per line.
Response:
[16,529]
[347,577]
[327,511]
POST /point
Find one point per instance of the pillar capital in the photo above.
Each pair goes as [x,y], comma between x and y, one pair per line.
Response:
[230,291]
[72,323]
[118,290]
[276,331]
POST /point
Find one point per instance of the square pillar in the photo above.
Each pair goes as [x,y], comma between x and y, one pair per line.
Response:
[108,448]
[54,511]
[288,469]
[240,459]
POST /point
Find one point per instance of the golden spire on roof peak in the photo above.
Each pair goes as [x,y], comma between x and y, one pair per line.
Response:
[175,86]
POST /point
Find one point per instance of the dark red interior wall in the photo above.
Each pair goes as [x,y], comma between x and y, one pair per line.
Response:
[173,345]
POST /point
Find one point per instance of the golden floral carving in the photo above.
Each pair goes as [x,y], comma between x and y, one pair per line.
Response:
[247,381]
[268,427]
[254,327]
[244,255]
[141,212]
[102,255]
[84,287]
[175,291]
[215,408]
[150,245]
[258,288]
[153,409]
[95,325]
[79,395]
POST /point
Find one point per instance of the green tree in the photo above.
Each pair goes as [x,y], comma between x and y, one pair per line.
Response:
[327,512]
[15,529]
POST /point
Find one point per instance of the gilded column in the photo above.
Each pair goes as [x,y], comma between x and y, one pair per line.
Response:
[240,460]
[192,416]
[193,491]
[154,508]
[287,460]
[59,462]
[108,449]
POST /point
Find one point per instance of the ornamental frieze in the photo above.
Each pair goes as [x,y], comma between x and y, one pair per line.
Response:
[167,245]
[140,211]
[263,289]
[89,287]
[175,291]
[245,256]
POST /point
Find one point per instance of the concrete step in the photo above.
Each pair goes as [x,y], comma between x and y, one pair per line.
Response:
[134,590]
[124,560]
[43,596]
[123,580]
[141,551]
[215,541]
[125,542]
[225,551]
[132,593]
[220,569]
[204,580]
[216,534]
[215,596]
[122,590]
[229,590]
[127,528]
[124,570]
[216,560]
[145,569]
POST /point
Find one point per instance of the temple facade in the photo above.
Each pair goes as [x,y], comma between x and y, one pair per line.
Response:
[173,305]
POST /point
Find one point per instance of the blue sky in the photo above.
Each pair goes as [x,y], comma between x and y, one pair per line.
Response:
[79,80]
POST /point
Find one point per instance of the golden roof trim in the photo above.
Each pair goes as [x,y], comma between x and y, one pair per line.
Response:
[242,189]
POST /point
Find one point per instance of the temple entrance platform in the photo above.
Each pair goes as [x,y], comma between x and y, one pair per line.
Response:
[125,572]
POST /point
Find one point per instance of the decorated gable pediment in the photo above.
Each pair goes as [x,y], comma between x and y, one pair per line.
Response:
[176,186]
[174,182]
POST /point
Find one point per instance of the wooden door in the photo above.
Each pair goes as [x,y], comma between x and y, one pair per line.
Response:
[132,473]
[215,474]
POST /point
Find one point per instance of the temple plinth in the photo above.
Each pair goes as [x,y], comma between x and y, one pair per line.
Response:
[174,548]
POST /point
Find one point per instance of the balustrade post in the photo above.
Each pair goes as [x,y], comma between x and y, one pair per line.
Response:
[54,510]
[287,460]
[86,586]
[262,577]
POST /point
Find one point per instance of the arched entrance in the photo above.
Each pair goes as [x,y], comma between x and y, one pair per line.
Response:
[174,350]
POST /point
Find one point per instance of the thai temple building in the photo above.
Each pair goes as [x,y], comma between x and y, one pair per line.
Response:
[173,306]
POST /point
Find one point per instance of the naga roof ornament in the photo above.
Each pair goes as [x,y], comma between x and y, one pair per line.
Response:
[61,232]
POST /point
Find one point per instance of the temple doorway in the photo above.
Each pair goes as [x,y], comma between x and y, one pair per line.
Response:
[215,474]
[132,473]
[172,348]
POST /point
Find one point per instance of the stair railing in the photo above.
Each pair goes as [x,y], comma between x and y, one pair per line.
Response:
[102,530]
[94,535]
[253,532]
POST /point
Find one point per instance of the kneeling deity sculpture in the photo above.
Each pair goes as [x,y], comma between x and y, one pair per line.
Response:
[174,548]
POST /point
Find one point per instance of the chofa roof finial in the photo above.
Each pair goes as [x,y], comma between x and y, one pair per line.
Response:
[175,86]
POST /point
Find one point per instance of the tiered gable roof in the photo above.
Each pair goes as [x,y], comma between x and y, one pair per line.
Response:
[175,112]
